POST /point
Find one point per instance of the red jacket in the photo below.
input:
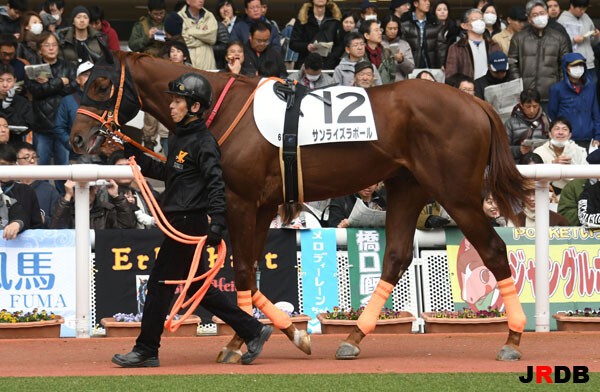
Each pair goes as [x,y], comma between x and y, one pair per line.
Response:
[111,34]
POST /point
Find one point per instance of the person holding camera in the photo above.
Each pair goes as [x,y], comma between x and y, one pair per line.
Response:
[193,203]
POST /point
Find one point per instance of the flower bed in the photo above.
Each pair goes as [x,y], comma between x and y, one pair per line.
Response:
[130,325]
[341,321]
[29,325]
[578,320]
[465,321]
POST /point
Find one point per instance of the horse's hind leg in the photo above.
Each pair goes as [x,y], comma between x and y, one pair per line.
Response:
[478,230]
[405,199]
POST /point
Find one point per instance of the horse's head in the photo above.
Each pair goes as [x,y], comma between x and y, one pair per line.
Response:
[110,99]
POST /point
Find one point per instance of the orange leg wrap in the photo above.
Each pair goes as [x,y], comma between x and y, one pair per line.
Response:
[244,300]
[514,310]
[368,319]
[280,319]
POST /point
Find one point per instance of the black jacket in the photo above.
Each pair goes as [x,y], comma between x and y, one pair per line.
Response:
[253,61]
[341,207]
[116,214]
[433,52]
[26,196]
[18,113]
[47,96]
[192,174]
[485,81]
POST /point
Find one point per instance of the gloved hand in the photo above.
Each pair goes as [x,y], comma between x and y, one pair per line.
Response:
[215,234]
[9,97]
[435,221]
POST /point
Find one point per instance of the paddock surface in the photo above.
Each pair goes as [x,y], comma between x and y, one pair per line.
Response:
[416,353]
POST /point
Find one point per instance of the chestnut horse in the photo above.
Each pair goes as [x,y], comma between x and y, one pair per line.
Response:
[434,142]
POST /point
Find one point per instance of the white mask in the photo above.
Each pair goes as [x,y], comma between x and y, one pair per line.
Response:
[540,21]
[478,26]
[36,28]
[576,72]
[558,143]
[312,78]
[371,17]
[56,17]
[490,19]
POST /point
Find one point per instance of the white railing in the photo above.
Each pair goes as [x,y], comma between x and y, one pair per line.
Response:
[83,174]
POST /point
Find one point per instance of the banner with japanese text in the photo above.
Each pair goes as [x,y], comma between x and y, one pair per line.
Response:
[124,259]
[574,270]
[319,274]
[366,248]
[37,270]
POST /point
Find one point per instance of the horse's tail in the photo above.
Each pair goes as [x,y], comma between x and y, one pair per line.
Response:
[502,178]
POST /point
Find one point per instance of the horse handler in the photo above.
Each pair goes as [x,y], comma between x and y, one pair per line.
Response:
[194,188]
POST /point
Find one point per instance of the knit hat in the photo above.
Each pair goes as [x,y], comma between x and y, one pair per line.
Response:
[173,24]
[79,10]
[397,3]
[517,12]
[367,4]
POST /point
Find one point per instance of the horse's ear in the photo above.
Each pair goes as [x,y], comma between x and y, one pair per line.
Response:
[105,51]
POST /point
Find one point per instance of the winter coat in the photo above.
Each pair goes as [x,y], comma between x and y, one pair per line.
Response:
[46,97]
[583,24]
[581,109]
[220,46]
[7,25]
[569,197]
[535,57]
[588,207]
[47,196]
[518,128]
[307,30]
[548,154]
[111,36]
[139,40]
[26,196]
[116,214]
[323,81]
[18,113]
[404,68]
[460,57]
[65,117]
[341,207]
[200,37]
[485,81]
[253,62]
[434,47]
[69,47]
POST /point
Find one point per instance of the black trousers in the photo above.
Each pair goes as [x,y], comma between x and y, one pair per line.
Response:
[173,263]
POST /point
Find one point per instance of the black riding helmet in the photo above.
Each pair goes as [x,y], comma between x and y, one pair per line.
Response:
[193,86]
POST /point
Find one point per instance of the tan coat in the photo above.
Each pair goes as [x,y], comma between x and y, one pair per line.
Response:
[199,38]
[503,39]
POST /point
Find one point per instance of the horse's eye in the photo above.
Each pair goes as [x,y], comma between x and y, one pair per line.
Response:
[103,90]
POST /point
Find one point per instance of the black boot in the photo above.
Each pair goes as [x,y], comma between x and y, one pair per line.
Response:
[255,345]
[135,359]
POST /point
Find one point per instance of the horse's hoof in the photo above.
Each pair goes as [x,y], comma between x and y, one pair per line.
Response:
[302,340]
[229,356]
[347,351]
[508,353]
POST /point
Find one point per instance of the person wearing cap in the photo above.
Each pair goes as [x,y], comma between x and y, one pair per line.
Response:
[588,205]
[398,8]
[469,56]
[582,33]
[574,98]
[497,73]
[77,40]
[524,60]
[199,32]
[425,36]
[364,74]
[147,34]
[194,191]
[318,21]
[516,20]
[67,110]
[570,195]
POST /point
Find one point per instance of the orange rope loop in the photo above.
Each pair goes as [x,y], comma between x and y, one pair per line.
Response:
[161,221]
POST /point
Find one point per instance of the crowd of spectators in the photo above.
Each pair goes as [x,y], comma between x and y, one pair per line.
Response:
[553,52]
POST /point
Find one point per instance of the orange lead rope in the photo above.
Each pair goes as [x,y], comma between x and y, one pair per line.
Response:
[171,324]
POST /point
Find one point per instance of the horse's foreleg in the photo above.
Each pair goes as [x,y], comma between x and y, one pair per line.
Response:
[492,250]
[405,201]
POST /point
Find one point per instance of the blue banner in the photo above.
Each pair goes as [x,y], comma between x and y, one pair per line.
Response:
[319,273]
[37,270]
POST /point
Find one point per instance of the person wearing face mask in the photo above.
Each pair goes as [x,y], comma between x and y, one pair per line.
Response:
[310,74]
[492,21]
[575,99]
[368,11]
[31,29]
[582,33]
[469,56]
[535,52]
[560,149]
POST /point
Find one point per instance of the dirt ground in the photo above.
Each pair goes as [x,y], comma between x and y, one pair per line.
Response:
[417,353]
